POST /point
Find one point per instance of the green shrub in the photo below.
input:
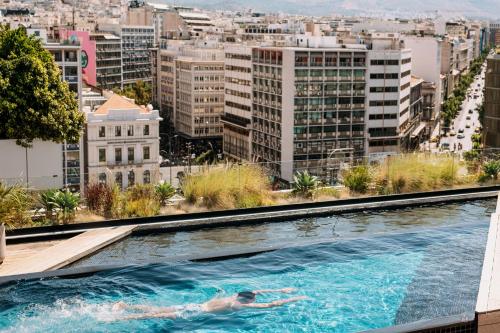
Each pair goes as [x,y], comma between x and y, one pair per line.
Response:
[164,191]
[15,203]
[357,179]
[491,169]
[305,185]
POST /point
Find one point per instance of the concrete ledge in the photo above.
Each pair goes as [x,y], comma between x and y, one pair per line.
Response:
[488,299]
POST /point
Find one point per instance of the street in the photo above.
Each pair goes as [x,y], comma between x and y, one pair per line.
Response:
[459,125]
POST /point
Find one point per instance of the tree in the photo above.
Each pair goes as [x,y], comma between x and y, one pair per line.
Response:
[140,92]
[34,102]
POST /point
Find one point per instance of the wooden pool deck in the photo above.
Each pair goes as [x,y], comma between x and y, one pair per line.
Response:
[50,255]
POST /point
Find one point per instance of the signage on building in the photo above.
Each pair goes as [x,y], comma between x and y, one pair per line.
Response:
[88,53]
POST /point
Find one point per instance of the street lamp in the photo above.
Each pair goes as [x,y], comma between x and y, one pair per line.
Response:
[171,155]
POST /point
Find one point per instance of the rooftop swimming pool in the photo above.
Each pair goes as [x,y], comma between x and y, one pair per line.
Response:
[360,271]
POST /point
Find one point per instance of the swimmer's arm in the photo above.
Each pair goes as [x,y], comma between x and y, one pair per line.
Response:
[283,290]
[273,304]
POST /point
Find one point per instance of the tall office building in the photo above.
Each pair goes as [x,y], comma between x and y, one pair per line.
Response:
[237,116]
[308,105]
[68,58]
[199,94]
[136,44]
[389,76]
[491,130]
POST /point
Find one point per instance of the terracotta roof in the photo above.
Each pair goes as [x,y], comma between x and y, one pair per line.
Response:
[117,102]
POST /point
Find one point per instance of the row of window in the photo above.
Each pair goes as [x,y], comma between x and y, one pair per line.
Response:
[387,62]
[238,56]
[384,103]
[383,89]
[238,69]
[238,93]
[238,106]
[383,116]
[146,154]
[118,131]
[146,178]
[384,76]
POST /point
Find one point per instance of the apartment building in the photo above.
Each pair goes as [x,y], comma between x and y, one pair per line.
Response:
[308,105]
[122,143]
[388,86]
[136,44]
[149,14]
[199,93]
[426,64]
[68,56]
[237,117]
[167,83]
[108,60]
[491,130]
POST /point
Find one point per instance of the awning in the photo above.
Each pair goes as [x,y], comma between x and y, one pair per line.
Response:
[417,130]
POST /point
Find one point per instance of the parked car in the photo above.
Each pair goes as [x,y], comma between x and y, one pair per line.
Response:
[453,133]
[467,118]
[445,146]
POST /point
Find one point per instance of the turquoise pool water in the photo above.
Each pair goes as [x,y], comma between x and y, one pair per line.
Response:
[353,284]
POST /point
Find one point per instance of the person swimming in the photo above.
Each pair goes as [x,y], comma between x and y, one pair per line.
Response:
[241,300]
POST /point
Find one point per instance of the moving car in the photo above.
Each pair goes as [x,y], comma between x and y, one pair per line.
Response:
[467,125]
[461,130]
[467,118]
[460,136]
[470,111]
[453,133]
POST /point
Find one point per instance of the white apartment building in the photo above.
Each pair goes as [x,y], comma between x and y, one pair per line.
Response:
[237,116]
[388,91]
[199,92]
[122,143]
[426,64]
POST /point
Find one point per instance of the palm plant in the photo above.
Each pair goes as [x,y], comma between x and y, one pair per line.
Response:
[67,203]
[305,185]
[47,200]
[164,192]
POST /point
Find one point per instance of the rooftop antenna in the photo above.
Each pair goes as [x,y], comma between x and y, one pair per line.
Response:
[73,14]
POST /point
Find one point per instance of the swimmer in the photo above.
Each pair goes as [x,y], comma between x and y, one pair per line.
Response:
[241,300]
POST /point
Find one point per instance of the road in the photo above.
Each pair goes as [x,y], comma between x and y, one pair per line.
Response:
[461,120]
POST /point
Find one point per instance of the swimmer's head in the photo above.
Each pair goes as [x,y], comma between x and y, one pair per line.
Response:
[246,297]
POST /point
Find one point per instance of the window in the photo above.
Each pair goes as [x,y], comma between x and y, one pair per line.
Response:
[383,89]
[131,178]
[145,130]
[102,178]
[384,103]
[145,153]
[118,131]
[131,154]
[384,62]
[102,154]
[146,177]
[130,130]
[102,131]
[118,155]
[119,180]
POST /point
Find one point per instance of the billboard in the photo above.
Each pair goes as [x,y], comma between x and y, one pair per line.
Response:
[88,51]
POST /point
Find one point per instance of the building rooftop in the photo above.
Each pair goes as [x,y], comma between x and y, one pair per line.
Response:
[117,102]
